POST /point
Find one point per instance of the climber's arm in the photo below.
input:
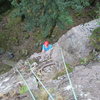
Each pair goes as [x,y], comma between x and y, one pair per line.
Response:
[43,48]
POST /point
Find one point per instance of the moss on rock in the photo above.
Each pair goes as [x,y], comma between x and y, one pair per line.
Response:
[95,39]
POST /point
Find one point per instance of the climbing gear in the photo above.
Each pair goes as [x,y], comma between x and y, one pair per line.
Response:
[75,97]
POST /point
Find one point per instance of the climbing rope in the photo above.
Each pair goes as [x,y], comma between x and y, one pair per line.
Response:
[40,82]
[75,97]
[26,84]
[10,63]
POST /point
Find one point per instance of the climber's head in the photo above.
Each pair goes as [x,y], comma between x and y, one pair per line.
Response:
[46,43]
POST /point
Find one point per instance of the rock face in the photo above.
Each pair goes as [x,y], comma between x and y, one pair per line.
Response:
[75,43]
[85,80]
[89,79]
[49,68]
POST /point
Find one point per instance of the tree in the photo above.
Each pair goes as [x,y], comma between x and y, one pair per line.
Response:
[4,5]
[93,2]
[46,14]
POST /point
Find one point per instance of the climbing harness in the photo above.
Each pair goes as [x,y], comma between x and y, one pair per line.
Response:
[75,97]
[40,82]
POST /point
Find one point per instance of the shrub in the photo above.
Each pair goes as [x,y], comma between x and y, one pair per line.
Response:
[95,39]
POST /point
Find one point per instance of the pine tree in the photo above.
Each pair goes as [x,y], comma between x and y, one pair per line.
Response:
[46,14]
[4,5]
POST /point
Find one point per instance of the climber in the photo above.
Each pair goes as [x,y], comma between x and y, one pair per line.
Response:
[46,46]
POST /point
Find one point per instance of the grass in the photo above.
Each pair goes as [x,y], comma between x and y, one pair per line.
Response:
[9,34]
[62,72]
[70,69]
[4,68]
[84,61]
[95,39]
[89,58]
[23,89]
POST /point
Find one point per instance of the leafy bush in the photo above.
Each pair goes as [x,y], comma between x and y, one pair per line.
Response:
[95,39]
[84,61]
[97,10]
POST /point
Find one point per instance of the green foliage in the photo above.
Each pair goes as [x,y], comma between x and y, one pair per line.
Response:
[62,72]
[91,57]
[97,11]
[78,5]
[46,14]
[23,89]
[95,39]
[4,68]
[26,36]
[3,40]
[70,69]
[2,1]
[11,35]
[59,74]
[4,5]
[84,61]
[12,21]
[23,52]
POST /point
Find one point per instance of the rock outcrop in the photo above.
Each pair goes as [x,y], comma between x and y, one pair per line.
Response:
[85,80]
[49,68]
[75,43]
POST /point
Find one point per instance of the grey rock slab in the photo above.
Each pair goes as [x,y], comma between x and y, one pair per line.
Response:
[75,43]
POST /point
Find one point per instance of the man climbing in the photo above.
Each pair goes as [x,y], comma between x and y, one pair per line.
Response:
[46,46]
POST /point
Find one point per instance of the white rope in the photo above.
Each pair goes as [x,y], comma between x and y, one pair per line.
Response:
[26,84]
[75,97]
[40,82]
[10,63]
